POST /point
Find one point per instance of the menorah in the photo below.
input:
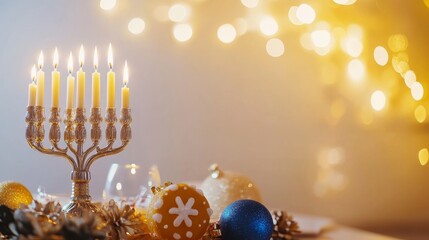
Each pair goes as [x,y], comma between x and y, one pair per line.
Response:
[75,135]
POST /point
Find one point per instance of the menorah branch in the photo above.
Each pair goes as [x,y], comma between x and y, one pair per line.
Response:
[35,134]
[125,135]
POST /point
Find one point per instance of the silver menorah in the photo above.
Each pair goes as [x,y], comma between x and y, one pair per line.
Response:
[75,135]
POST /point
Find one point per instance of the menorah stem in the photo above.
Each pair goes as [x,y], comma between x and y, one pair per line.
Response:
[80,198]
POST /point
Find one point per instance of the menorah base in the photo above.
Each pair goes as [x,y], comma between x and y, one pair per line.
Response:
[78,208]
[80,198]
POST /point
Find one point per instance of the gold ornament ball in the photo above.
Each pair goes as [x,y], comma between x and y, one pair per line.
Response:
[222,188]
[13,194]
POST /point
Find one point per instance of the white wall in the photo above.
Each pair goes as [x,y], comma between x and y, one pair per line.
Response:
[202,102]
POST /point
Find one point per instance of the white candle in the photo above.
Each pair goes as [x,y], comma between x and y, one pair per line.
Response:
[110,81]
[40,83]
[95,82]
[70,84]
[125,89]
[81,80]
[55,82]
[32,88]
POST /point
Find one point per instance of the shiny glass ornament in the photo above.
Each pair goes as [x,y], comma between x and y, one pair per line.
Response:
[13,194]
[222,188]
[246,219]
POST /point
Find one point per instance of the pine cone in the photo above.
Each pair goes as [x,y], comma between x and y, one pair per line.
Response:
[284,226]
[6,219]
[87,227]
[51,211]
[31,224]
[122,223]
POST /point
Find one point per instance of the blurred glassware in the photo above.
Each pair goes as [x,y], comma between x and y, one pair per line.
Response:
[131,183]
[44,197]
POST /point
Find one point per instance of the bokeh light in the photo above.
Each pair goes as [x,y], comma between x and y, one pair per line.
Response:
[179,12]
[381,56]
[268,26]
[410,78]
[321,38]
[226,33]
[241,26]
[182,32]
[417,91]
[250,3]
[378,100]
[345,2]
[356,70]
[136,25]
[293,17]
[423,156]
[398,43]
[275,47]
[353,46]
[420,114]
[107,4]
[329,178]
[400,63]
[305,14]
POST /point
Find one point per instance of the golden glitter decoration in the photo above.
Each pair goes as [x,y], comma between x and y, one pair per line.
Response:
[222,188]
[13,194]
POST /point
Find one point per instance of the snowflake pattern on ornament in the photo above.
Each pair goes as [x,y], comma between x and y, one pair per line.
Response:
[183,211]
[179,212]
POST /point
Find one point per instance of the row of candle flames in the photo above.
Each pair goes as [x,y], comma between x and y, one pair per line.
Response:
[36,87]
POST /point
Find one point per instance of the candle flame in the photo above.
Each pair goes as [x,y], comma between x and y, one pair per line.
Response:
[81,56]
[55,58]
[95,59]
[40,62]
[70,63]
[126,74]
[33,73]
[110,57]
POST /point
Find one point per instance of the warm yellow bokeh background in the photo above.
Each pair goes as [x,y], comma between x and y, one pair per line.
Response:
[306,110]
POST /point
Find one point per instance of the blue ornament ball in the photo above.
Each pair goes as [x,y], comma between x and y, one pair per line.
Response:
[246,220]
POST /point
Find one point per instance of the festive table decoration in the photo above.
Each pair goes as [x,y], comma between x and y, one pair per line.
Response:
[122,223]
[246,219]
[75,133]
[179,211]
[13,194]
[284,226]
[38,221]
[222,188]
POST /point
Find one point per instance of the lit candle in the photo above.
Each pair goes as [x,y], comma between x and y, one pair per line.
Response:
[32,88]
[55,82]
[95,82]
[40,83]
[70,84]
[125,89]
[81,80]
[110,80]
